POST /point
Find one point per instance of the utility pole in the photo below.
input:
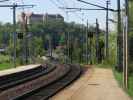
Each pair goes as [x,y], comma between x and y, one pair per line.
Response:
[107,31]
[119,39]
[125,46]
[68,46]
[90,53]
[82,36]
[87,43]
[97,40]
[14,6]
[68,40]
[14,34]
[107,9]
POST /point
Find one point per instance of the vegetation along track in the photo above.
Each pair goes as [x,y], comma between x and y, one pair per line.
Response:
[46,92]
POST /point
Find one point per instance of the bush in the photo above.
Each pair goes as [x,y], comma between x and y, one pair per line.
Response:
[4,59]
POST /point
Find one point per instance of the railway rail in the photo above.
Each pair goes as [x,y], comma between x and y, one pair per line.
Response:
[12,80]
[46,92]
[39,83]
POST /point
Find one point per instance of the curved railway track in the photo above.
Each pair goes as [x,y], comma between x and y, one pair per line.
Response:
[46,92]
[39,83]
[12,80]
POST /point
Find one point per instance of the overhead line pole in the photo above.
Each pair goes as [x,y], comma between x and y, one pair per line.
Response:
[68,40]
[107,11]
[107,32]
[14,6]
[126,44]
[82,35]
[119,39]
[107,18]
[97,41]
[87,43]
[14,34]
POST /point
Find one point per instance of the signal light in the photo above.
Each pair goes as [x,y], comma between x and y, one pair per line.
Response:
[20,35]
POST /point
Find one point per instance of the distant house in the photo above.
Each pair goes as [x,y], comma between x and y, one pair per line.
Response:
[35,18]
[53,17]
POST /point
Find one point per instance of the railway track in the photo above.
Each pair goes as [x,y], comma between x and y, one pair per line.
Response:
[49,90]
[12,80]
[28,86]
[39,83]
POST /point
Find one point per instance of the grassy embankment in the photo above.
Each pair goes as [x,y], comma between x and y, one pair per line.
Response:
[5,62]
[118,76]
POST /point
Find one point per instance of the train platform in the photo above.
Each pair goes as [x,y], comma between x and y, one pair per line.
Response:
[18,69]
[97,84]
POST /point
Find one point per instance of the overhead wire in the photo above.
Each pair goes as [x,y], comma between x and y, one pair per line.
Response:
[4,0]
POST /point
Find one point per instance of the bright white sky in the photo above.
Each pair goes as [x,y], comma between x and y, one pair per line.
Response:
[51,6]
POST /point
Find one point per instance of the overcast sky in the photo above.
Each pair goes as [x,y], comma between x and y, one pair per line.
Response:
[51,6]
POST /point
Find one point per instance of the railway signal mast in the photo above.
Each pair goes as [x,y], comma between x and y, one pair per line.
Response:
[14,6]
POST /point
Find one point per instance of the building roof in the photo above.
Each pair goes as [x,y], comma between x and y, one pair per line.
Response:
[54,15]
[37,15]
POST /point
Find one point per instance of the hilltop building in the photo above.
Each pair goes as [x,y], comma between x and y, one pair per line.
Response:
[35,18]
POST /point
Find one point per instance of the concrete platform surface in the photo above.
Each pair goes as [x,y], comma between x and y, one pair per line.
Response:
[99,84]
[18,69]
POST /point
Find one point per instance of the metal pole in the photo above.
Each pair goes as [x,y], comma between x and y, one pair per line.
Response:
[107,32]
[14,26]
[90,47]
[27,44]
[82,32]
[14,34]
[119,39]
[68,40]
[97,40]
[87,43]
[124,28]
[126,45]
[68,45]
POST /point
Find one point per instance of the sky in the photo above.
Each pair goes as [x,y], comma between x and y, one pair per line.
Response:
[52,7]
